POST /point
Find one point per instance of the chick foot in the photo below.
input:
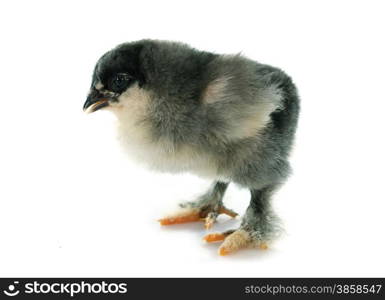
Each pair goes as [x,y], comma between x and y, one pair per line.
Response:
[191,212]
[234,240]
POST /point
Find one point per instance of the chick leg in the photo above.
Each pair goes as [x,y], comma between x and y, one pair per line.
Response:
[207,207]
[258,228]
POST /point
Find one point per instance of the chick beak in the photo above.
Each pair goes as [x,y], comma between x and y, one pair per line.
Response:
[95,101]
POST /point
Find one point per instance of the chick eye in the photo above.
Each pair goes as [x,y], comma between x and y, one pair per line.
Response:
[120,82]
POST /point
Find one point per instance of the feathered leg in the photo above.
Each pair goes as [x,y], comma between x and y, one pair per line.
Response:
[258,228]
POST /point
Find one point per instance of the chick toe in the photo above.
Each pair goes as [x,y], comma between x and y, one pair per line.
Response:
[226,211]
[214,237]
[184,216]
[237,240]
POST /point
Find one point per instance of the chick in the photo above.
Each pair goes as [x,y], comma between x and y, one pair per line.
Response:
[223,117]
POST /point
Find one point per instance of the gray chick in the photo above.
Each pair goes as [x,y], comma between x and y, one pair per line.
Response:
[223,117]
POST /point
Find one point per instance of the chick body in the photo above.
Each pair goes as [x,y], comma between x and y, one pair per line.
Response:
[223,117]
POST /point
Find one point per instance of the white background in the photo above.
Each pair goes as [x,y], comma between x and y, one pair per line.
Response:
[72,204]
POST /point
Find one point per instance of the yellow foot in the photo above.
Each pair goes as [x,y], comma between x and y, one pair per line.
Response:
[234,241]
[187,215]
